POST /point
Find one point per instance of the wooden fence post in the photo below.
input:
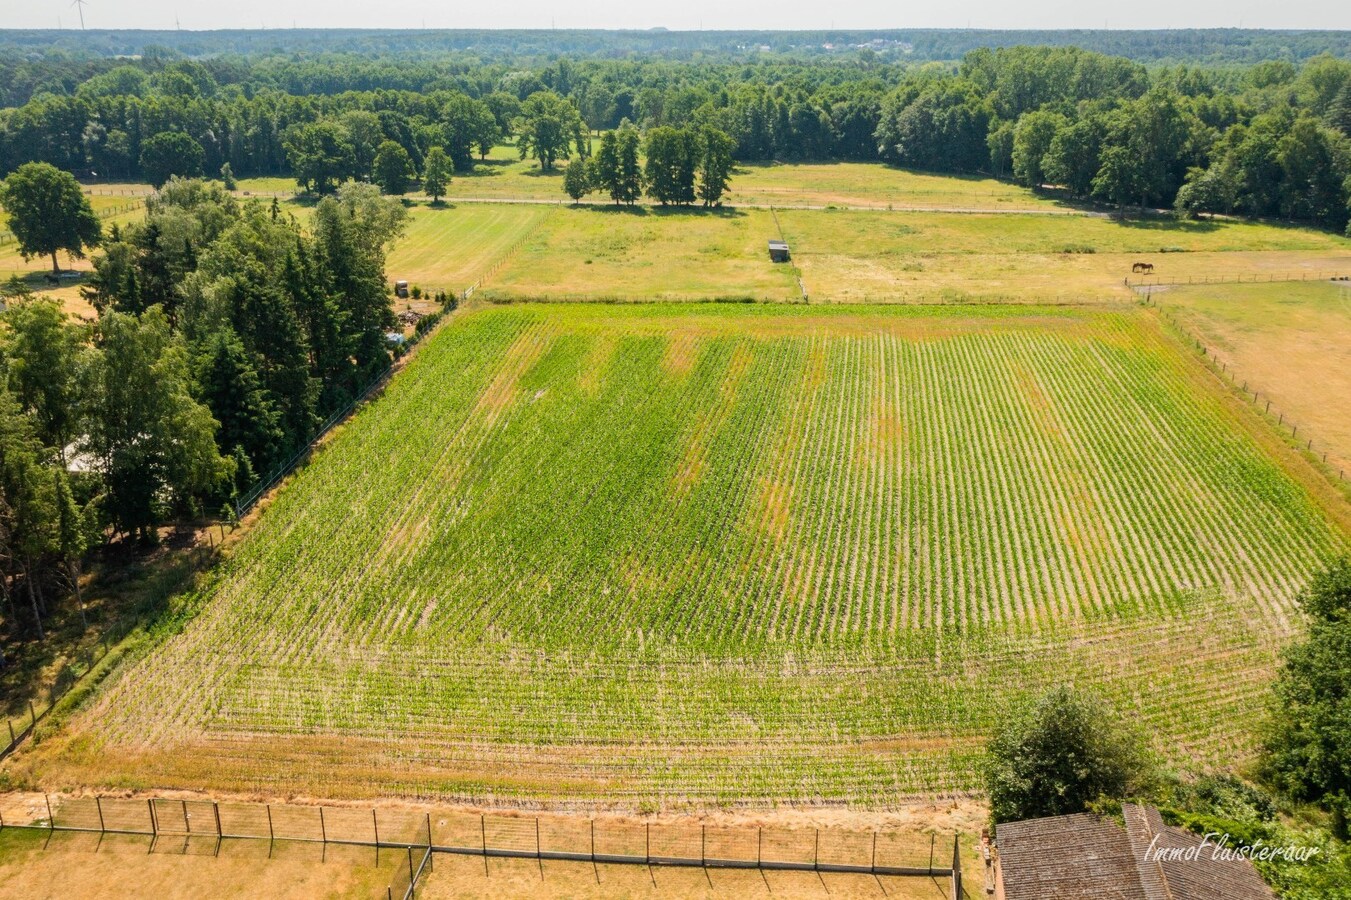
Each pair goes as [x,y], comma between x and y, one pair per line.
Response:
[98,805]
[271,835]
[51,819]
[323,829]
[150,806]
[215,807]
[375,823]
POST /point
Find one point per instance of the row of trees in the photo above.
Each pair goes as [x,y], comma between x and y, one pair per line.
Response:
[1271,139]
[681,165]
[226,333]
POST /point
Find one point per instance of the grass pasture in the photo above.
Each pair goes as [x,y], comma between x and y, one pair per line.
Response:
[710,552]
[1289,341]
[603,253]
[448,248]
[865,184]
[860,256]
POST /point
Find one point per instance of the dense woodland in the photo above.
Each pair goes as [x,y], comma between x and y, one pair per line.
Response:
[1272,139]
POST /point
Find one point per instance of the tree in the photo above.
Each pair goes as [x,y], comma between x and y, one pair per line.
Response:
[152,442]
[1307,750]
[170,153]
[228,384]
[1031,141]
[393,169]
[1120,178]
[672,158]
[437,169]
[1311,183]
[577,179]
[45,354]
[618,171]
[227,177]
[1212,190]
[321,155]
[353,233]
[1066,752]
[715,165]
[48,212]
[549,126]
[28,512]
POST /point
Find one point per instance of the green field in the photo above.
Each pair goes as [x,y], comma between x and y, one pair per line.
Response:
[732,552]
[449,248]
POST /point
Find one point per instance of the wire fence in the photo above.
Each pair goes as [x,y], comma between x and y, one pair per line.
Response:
[1251,394]
[1148,281]
[418,835]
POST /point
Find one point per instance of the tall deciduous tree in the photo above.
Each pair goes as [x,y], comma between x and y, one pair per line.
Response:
[393,169]
[153,443]
[549,128]
[437,169]
[715,165]
[577,179]
[321,155]
[1308,747]
[672,160]
[48,212]
[45,353]
[618,170]
[171,153]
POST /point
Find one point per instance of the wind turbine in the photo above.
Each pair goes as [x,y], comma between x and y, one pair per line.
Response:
[79,4]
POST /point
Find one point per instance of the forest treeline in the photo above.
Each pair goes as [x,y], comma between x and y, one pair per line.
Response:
[1270,139]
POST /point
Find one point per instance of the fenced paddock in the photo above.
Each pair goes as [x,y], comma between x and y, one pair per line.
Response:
[415,837]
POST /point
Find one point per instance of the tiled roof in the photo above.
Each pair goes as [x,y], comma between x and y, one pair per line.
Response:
[1087,856]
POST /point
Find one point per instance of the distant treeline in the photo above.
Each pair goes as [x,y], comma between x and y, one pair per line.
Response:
[1211,45]
[1269,139]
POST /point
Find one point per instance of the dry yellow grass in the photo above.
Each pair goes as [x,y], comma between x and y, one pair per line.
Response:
[855,257]
[72,866]
[1290,342]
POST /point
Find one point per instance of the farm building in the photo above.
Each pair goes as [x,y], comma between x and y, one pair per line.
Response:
[778,251]
[1088,856]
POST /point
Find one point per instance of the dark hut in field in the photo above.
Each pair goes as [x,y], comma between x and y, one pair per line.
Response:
[778,251]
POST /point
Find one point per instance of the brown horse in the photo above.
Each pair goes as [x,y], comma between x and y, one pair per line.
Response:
[1143,268]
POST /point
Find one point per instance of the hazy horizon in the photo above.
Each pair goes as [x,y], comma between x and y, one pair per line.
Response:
[789,15]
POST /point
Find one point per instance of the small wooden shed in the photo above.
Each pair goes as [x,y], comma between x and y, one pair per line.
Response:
[401,289]
[778,251]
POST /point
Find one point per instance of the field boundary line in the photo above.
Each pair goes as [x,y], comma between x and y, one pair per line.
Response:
[1144,284]
[497,264]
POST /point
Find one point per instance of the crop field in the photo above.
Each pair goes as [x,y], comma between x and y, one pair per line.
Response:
[860,256]
[597,253]
[708,552]
[1291,342]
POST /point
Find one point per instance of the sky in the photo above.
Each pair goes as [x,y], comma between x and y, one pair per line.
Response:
[690,14]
